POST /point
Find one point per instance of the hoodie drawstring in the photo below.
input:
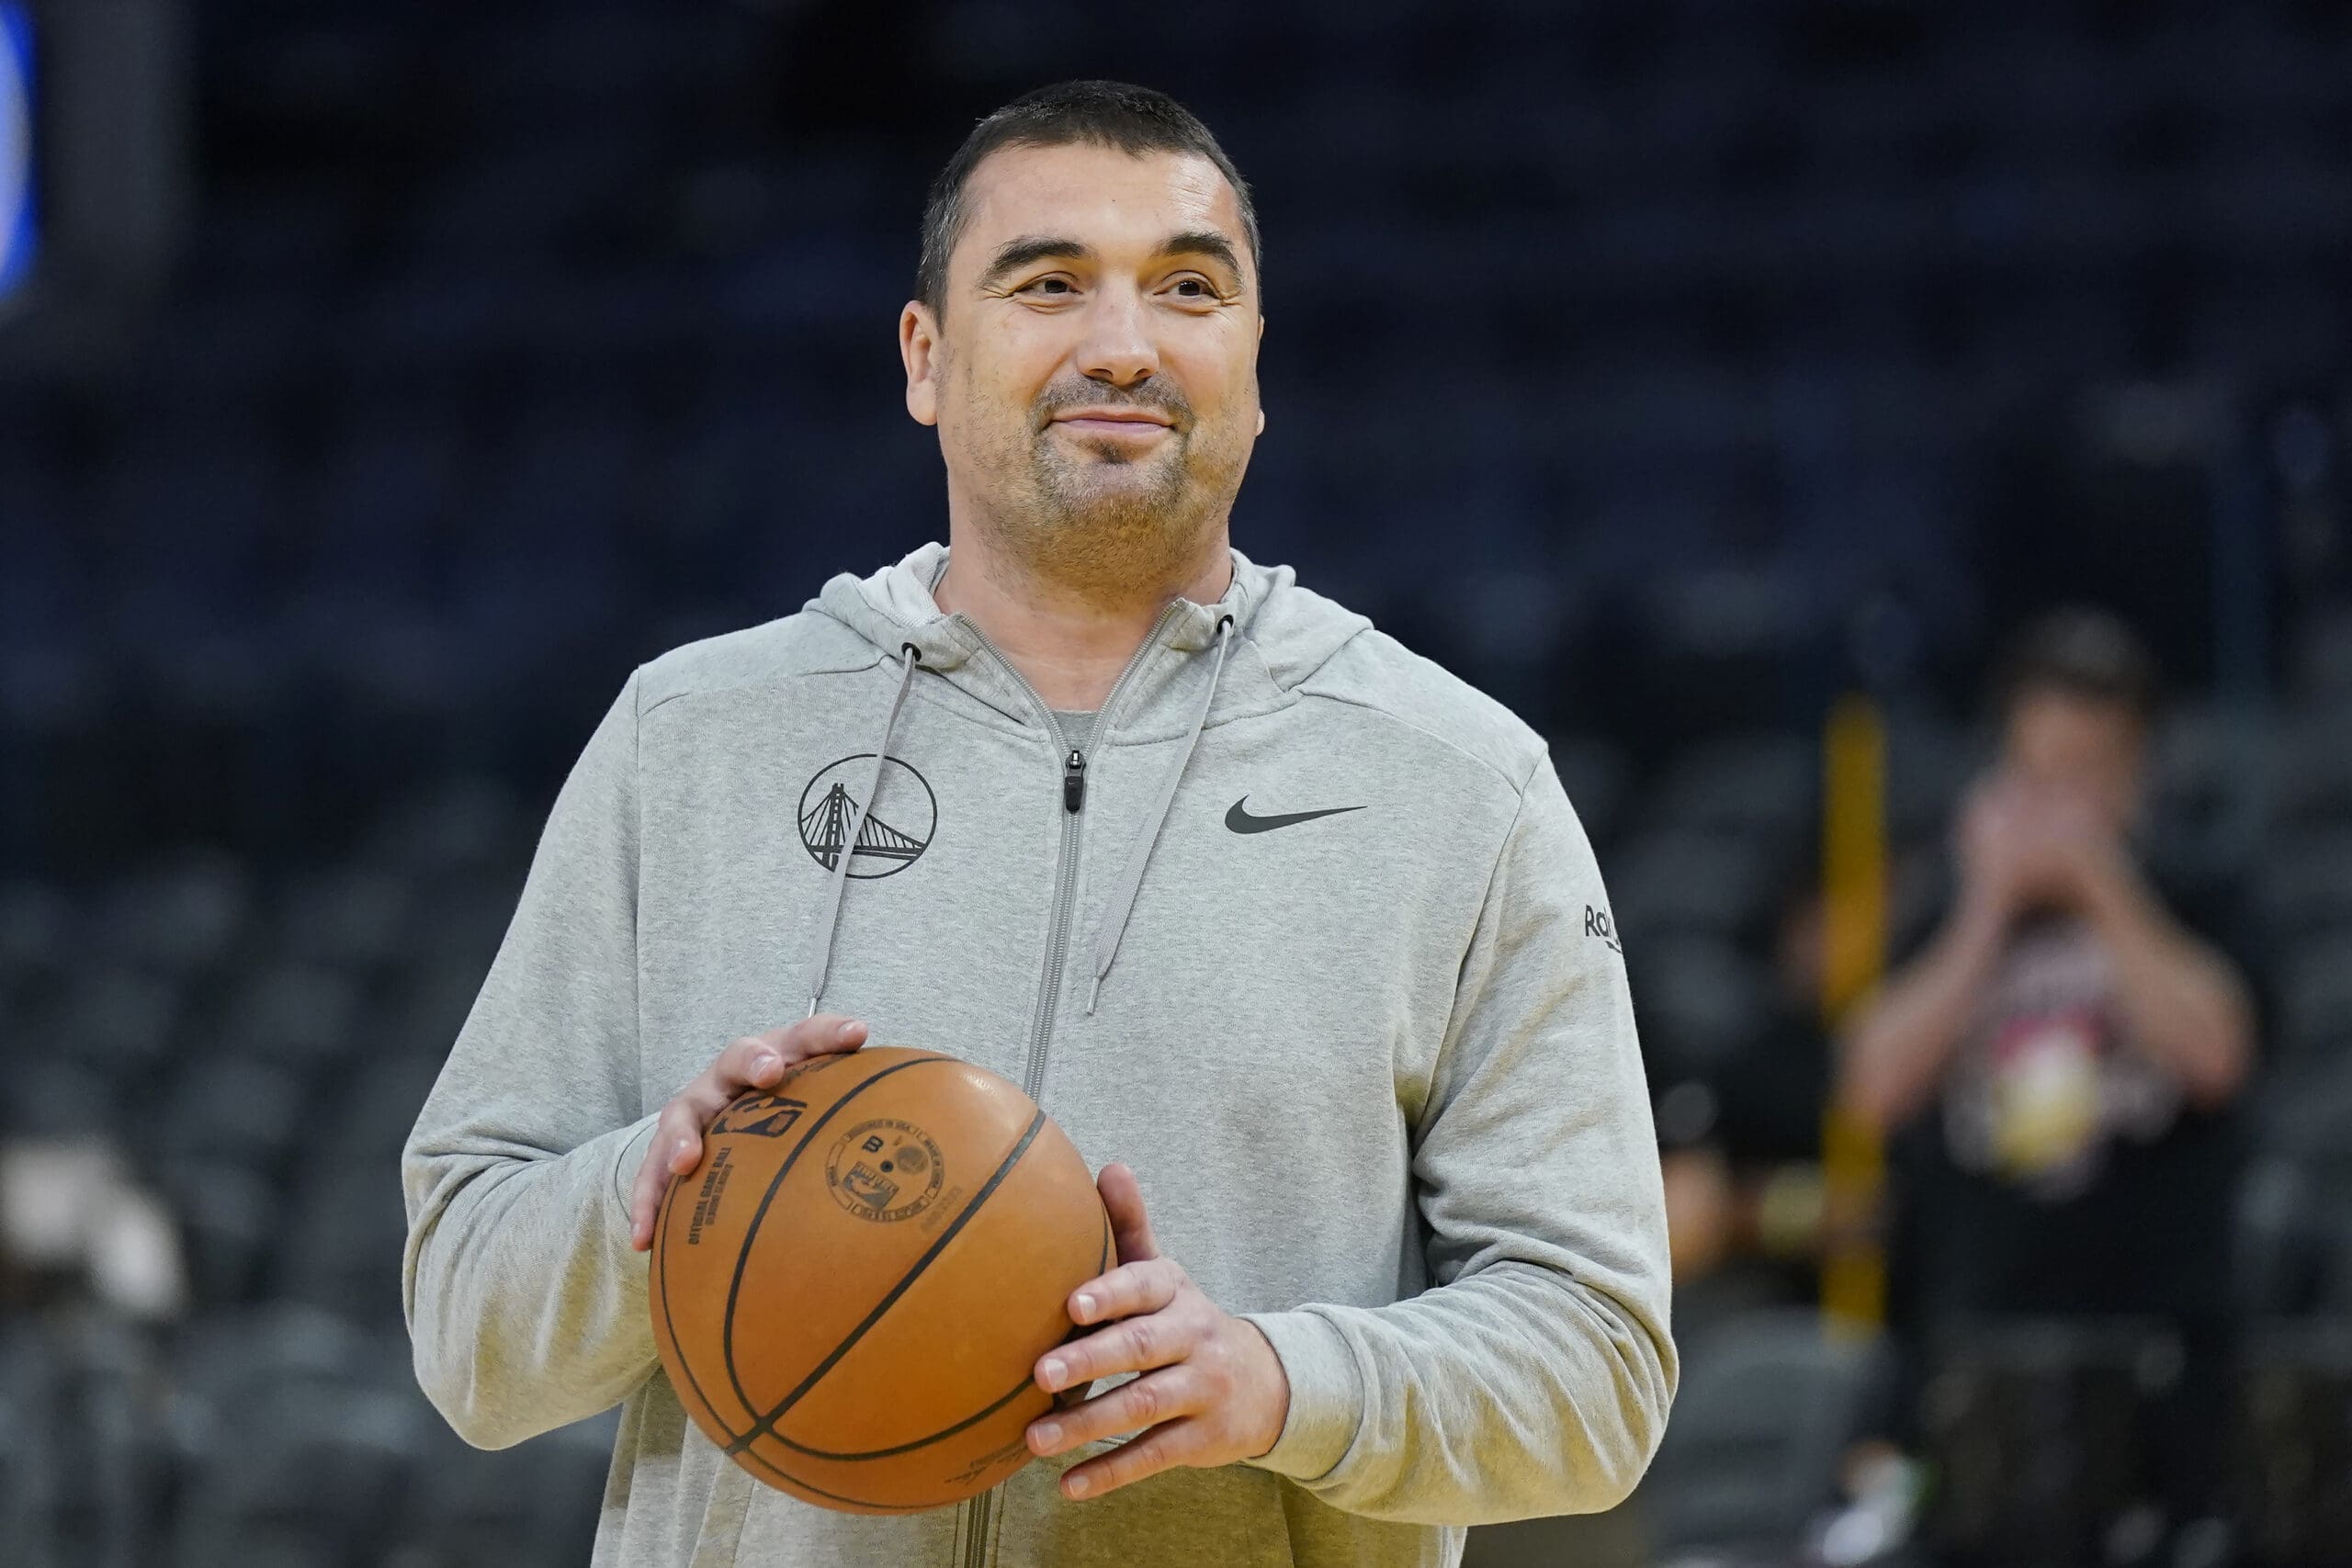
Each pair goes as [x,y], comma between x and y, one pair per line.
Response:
[1122,898]
[821,953]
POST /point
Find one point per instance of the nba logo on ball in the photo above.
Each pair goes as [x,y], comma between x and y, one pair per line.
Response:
[764,1116]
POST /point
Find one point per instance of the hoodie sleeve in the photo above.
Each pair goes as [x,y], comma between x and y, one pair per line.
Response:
[526,1303]
[1535,1376]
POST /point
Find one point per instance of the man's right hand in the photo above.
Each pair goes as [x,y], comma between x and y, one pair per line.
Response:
[756,1061]
[2020,847]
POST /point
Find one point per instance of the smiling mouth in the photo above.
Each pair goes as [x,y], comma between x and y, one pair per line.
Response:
[1115,436]
[1112,423]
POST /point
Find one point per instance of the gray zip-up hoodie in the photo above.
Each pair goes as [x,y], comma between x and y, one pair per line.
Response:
[1308,934]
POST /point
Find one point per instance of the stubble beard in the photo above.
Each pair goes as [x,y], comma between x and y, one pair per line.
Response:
[1091,517]
[1105,520]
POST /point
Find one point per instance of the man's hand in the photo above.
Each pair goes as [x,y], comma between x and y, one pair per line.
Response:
[756,1061]
[2022,847]
[1994,847]
[1212,1390]
[2086,857]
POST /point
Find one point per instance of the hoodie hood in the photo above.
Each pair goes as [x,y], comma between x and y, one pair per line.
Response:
[1282,634]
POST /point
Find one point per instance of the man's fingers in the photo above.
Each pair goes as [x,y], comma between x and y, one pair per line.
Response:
[1146,1402]
[1129,1289]
[1123,1200]
[644,1201]
[674,1149]
[817,1034]
[1137,1345]
[645,1192]
[1162,1448]
[753,1061]
[757,1061]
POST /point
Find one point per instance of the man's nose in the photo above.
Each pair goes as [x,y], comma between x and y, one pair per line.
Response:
[1118,347]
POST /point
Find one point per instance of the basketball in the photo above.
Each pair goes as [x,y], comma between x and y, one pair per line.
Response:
[851,1290]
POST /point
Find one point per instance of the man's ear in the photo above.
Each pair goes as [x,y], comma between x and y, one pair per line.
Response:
[1262,408]
[919,350]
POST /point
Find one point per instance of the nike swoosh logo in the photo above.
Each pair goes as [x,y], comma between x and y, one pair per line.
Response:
[1241,821]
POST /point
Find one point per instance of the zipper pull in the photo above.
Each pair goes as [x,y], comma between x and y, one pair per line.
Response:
[1074,779]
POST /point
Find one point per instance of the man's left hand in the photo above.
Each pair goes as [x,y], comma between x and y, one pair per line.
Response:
[1211,1391]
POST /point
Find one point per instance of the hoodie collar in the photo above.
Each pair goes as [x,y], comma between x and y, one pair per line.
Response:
[1283,634]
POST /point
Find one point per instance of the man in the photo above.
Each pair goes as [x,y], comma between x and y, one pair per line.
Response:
[1286,927]
[2074,1034]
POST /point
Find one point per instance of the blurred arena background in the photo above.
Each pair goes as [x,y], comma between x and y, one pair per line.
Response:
[1714,381]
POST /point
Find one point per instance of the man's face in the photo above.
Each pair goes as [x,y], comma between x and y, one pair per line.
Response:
[1094,379]
[2078,752]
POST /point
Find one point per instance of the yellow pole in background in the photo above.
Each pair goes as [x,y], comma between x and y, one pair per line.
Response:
[1853,877]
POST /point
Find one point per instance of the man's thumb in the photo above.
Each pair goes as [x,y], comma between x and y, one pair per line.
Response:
[1130,1227]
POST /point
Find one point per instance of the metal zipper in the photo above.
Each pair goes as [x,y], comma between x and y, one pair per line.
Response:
[1032,1075]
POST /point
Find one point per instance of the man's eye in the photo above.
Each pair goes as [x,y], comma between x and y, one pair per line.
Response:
[1053,286]
[1195,289]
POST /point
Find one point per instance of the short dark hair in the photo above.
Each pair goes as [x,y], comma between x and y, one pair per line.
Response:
[2079,652]
[1134,120]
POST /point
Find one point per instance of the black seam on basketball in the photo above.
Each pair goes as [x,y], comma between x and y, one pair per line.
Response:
[662,1290]
[727,1326]
[766,1425]
[1078,1330]
[670,1322]
[783,1475]
[941,1436]
[743,1252]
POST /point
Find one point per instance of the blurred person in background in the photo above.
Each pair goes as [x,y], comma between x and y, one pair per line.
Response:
[78,1228]
[2063,1036]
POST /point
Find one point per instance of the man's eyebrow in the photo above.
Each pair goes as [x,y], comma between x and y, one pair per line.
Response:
[1202,243]
[1015,254]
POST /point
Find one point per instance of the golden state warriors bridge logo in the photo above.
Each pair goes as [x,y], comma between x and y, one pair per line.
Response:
[896,830]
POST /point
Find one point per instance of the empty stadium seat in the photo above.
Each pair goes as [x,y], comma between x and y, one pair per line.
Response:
[2303,883]
[350,917]
[2294,1469]
[1702,1002]
[2313,771]
[302,1017]
[106,1445]
[341,1249]
[1765,786]
[290,1466]
[229,1222]
[1767,1404]
[531,1507]
[1694,884]
[1596,775]
[2035,1428]
[234,1109]
[2314,999]
[119,1021]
